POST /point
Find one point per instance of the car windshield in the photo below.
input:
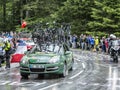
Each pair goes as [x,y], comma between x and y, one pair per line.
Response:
[52,48]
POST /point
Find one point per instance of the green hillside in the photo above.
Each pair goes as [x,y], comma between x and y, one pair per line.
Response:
[83,15]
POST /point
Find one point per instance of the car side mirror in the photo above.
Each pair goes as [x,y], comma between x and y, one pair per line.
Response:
[67,52]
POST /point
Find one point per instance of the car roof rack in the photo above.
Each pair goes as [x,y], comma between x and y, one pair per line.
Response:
[57,34]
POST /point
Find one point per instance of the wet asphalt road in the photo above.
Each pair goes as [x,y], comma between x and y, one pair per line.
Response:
[91,71]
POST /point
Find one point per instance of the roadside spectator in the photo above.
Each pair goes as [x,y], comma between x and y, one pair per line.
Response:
[103,45]
[86,42]
[92,42]
[82,42]
[7,49]
[96,44]
[106,45]
[74,41]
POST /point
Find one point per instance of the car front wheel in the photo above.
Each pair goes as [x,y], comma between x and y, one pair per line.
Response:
[24,75]
[72,63]
[65,71]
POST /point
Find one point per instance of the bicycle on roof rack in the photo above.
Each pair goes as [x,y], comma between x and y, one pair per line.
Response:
[43,34]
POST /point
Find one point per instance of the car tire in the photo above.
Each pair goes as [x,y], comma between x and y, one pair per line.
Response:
[72,63]
[65,71]
[116,59]
[2,61]
[24,75]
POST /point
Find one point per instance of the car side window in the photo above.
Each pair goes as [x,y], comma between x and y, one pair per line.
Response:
[61,51]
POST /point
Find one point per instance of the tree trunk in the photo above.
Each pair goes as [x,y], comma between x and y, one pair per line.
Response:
[4,15]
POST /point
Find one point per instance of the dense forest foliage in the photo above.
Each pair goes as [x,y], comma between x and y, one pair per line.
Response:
[83,15]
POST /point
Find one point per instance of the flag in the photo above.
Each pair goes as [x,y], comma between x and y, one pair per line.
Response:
[20,52]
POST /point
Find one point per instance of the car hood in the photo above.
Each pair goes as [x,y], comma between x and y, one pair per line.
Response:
[40,58]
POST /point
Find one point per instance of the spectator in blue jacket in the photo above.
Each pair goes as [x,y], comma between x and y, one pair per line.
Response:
[92,42]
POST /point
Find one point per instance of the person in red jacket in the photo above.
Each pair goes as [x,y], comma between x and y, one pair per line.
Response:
[24,24]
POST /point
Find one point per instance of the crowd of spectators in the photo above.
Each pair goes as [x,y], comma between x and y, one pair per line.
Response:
[10,44]
[91,43]
[84,42]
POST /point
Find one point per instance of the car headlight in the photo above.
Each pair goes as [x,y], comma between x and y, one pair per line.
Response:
[54,59]
[24,61]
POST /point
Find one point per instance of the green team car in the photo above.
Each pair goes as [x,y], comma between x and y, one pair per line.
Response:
[53,58]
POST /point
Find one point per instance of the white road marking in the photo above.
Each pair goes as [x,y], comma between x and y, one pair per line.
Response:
[68,82]
[83,65]
[26,83]
[13,83]
[83,83]
[37,84]
[6,82]
[113,79]
[33,84]
[76,75]
[108,85]
[49,86]
[1,73]
[79,72]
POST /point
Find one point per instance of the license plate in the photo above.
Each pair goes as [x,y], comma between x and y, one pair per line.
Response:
[36,66]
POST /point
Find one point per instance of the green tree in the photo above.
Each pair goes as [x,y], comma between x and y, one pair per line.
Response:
[40,10]
[10,16]
[105,16]
[83,15]
[76,12]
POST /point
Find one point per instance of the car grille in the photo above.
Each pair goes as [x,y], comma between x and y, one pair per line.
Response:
[37,70]
[51,68]
[38,62]
[24,69]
